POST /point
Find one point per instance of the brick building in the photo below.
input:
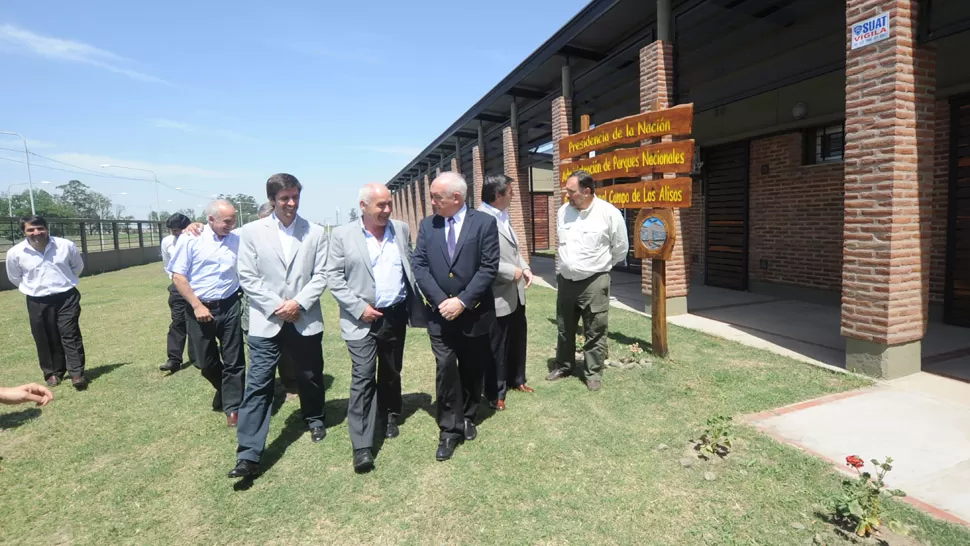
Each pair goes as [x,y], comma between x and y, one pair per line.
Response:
[833,165]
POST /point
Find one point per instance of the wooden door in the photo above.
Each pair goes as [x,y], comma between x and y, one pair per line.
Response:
[726,216]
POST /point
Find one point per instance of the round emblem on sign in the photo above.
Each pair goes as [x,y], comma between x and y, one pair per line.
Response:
[653,233]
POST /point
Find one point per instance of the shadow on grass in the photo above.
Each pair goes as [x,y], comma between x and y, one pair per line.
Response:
[17,418]
[94,373]
[294,428]
[410,404]
[624,339]
[279,395]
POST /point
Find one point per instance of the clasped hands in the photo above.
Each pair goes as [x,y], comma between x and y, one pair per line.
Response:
[451,308]
[289,311]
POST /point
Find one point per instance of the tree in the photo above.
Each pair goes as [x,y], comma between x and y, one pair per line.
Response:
[246,206]
[44,203]
[85,202]
[353,215]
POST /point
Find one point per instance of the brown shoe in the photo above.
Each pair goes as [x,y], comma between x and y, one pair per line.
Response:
[524,388]
[53,381]
[500,405]
[232,418]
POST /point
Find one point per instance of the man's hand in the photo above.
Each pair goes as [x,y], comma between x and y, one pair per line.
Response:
[202,313]
[451,308]
[517,275]
[194,229]
[289,311]
[527,273]
[371,314]
[31,392]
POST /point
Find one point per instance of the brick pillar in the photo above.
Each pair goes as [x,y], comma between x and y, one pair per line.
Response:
[520,210]
[562,124]
[656,89]
[428,209]
[889,131]
[455,166]
[413,206]
[478,170]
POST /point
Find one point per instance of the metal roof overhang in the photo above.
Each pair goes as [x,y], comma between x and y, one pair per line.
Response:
[544,60]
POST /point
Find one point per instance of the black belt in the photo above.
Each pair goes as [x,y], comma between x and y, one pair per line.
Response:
[212,304]
[398,305]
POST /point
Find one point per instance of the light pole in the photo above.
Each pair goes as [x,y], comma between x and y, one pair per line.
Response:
[30,181]
[10,196]
[158,203]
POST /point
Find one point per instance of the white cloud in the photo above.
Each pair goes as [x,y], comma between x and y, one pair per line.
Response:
[406,151]
[34,144]
[24,41]
[164,170]
[163,123]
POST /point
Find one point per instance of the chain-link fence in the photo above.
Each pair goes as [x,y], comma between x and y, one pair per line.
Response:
[89,235]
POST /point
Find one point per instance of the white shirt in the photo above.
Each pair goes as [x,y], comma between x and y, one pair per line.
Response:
[459,219]
[591,241]
[501,216]
[168,246]
[385,261]
[287,238]
[54,271]
[208,263]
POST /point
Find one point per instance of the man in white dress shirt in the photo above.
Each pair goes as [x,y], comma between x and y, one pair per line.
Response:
[204,271]
[176,303]
[592,239]
[46,270]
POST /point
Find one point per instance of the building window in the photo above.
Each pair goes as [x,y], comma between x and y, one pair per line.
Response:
[824,144]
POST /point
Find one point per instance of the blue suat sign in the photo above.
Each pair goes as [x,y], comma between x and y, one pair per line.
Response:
[872,30]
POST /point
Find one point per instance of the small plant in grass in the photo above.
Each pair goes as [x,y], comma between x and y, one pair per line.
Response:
[716,439]
[859,504]
[635,348]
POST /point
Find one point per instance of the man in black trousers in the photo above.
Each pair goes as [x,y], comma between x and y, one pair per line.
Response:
[176,303]
[46,270]
[455,262]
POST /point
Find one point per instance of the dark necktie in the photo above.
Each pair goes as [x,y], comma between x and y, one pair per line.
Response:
[451,238]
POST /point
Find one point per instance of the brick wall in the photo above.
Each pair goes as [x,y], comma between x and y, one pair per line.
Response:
[890,126]
[941,190]
[562,115]
[478,170]
[520,210]
[427,209]
[693,219]
[794,216]
[656,80]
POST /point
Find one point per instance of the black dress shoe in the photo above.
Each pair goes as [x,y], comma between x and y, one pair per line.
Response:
[446,448]
[170,367]
[244,469]
[363,460]
[80,382]
[392,431]
[558,373]
[471,431]
[318,433]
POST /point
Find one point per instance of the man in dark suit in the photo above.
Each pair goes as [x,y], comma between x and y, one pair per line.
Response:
[455,262]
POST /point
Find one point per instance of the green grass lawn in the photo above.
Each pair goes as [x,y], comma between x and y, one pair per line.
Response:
[140,459]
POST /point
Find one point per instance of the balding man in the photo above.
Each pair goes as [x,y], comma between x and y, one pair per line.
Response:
[369,274]
[203,269]
[455,262]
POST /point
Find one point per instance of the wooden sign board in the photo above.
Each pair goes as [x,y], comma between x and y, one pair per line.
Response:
[666,157]
[666,192]
[655,235]
[678,120]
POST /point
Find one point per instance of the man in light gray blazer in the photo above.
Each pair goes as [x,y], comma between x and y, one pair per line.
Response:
[369,274]
[508,338]
[281,270]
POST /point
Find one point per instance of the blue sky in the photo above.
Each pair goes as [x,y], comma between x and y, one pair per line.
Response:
[217,96]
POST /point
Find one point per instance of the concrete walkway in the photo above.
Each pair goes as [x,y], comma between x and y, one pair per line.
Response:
[922,421]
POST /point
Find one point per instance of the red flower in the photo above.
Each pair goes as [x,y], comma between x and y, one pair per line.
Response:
[854,461]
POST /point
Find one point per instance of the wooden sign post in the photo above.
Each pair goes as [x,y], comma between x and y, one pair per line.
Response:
[655,234]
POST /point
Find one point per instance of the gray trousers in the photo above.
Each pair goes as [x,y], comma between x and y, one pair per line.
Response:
[375,375]
[588,299]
